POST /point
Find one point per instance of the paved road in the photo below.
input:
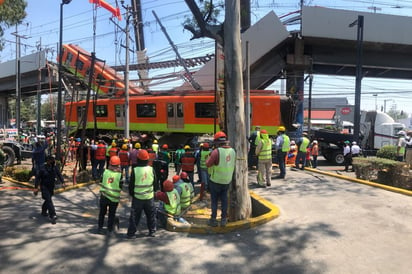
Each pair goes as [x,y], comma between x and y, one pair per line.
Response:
[326,225]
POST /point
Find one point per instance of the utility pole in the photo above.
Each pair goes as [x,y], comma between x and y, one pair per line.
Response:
[126,79]
[18,77]
[38,131]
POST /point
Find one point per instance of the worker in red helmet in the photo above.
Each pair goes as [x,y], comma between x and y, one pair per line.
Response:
[222,163]
[170,202]
[142,192]
[264,154]
[110,189]
[124,156]
[185,190]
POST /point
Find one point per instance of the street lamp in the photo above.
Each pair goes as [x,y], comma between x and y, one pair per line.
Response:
[59,91]
[359,40]
[376,101]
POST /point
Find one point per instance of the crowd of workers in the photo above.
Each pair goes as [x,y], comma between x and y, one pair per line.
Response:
[145,171]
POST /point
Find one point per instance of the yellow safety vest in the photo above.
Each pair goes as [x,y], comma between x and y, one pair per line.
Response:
[110,186]
[173,208]
[143,184]
[222,173]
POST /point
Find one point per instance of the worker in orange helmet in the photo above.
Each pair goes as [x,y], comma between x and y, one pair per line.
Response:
[185,190]
[222,163]
[142,192]
[110,189]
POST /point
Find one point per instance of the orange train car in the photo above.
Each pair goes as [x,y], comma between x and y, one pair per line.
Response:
[189,113]
[106,81]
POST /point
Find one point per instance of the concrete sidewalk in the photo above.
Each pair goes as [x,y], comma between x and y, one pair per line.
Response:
[326,225]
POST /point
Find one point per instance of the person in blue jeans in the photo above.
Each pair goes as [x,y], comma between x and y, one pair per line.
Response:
[222,162]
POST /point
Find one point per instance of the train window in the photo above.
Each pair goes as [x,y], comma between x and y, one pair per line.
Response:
[80,112]
[170,112]
[69,58]
[146,110]
[179,110]
[79,65]
[101,111]
[204,110]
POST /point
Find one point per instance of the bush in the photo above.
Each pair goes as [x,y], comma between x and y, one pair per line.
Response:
[387,152]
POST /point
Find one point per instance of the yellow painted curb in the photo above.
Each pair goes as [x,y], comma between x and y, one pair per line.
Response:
[272,212]
[382,186]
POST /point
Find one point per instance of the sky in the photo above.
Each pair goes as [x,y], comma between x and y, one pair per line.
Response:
[41,29]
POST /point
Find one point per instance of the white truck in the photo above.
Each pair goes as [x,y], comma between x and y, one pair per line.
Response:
[377,129]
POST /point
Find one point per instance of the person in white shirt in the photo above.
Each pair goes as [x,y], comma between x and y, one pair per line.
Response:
[355,149]
[347,155]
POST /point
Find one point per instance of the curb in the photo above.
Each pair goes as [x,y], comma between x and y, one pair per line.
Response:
[360,181]
[271,212]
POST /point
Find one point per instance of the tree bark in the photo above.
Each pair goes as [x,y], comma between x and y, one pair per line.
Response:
[240,203]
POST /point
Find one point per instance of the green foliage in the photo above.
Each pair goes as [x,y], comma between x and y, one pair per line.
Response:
[12,13]
[210,13]
[387,152]
[19,174]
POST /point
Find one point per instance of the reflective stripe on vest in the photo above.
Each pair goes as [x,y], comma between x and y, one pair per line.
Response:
[100,152]
[173,208]
[124,157]
[185,197]
[304,145]
[203,156]
[266,151]
[143,184]
[286,143]
[222,173]
[188,162]
[110,186]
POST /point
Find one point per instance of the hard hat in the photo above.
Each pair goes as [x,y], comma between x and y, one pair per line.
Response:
[353,143]
[220,136]
[114,160]
[126,140]
[183,175]
[347,142]
[292,142]
[155,142]
[206,145]
[114,144]
[124,146]
[264,131]
[282,128]
[403,133]
[167,185]
[137,145]
[77,139]
[143,155]
[187,147]
[315,142]
[175,178]
[165,146]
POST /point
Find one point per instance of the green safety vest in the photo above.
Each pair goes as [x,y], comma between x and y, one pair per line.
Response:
[222,173]
[143,184]
[155,147]
[186,196]
[266,150]
[173,208]
[286,143]
[304,145]
[203,156]
[110,186]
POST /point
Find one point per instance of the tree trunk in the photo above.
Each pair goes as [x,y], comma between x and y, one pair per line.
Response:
[240,203]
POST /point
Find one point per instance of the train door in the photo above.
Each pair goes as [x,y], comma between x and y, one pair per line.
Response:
[175,115]
[119,119]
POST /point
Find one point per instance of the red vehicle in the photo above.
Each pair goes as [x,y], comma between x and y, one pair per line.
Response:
[106,80]
[192,113]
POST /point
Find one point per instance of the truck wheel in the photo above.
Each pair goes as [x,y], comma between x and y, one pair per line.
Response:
[10,156]
[338,158]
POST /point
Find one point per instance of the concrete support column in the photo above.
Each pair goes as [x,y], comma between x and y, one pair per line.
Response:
[295,89]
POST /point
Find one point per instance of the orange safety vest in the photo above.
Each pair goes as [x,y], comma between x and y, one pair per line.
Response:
[113,151]
[124,157]
[152,157]
[188,162]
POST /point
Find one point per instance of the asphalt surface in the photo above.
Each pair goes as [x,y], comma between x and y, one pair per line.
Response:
[326,225]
